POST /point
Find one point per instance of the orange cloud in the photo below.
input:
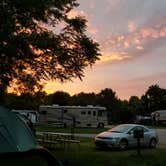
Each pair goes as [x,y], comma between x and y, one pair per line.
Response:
[132,26]
[139,47]
[74,13]
[138,41]
[113,57]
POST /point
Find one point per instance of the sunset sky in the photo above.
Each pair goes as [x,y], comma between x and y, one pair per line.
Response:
[132,38]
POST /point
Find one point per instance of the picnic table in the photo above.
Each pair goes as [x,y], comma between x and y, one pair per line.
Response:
[54,140]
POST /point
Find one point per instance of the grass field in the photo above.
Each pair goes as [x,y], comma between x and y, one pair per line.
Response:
[82,130]
[68,130]
[88,155]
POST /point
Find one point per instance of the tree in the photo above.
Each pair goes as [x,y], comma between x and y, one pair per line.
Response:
[108,99]
[30,51]
[124,112]
[136,105]
[84,99]
[59,97]
[154,98]
[25,101]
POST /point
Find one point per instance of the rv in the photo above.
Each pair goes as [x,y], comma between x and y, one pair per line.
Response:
[159,116]
[80,116]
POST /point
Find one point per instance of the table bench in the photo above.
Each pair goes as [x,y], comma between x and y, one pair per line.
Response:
[52,140]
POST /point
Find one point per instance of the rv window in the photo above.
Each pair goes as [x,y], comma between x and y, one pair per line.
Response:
[99,113]
[89,112]
[83,112]
[94,113]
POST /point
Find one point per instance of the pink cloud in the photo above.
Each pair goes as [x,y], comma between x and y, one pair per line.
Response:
[132,26]
[137,42]
[74,13]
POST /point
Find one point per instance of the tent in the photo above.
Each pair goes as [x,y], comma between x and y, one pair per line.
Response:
[15,135]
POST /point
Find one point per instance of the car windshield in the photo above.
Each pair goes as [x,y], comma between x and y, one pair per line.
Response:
[120,128]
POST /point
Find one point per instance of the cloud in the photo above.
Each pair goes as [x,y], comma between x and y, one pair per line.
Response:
[114,5]
[91,29]
[74,13]
[137,42]
[132,26]
[113,57]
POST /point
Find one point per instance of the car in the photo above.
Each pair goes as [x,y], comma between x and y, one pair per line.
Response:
[122,137]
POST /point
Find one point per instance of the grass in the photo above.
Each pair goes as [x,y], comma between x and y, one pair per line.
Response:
[88,155]
[87,130]
[68,130]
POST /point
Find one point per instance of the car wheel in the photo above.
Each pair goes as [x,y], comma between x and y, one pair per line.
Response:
[153,143]
[123,144]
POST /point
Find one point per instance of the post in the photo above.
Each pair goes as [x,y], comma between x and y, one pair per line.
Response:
[138,147]
[138,134]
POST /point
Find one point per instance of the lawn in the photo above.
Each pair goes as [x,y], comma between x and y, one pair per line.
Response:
[88,155]
[68,130]
[87,130]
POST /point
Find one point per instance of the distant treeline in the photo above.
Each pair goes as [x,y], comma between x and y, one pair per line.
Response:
[118,110]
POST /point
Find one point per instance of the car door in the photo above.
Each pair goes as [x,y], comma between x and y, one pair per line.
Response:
[143,141]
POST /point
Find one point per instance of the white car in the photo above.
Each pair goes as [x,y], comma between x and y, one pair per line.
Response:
[122,136]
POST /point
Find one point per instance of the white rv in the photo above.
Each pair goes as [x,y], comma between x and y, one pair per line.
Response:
[159,116]
[81,116]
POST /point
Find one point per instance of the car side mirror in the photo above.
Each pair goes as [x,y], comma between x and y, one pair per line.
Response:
[131,132]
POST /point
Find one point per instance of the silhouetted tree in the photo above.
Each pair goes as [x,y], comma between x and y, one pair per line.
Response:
[84,99]
[154,98]
[124,112]
[136,105]
[108,98]
[25,101]
[59,97]
[33,47]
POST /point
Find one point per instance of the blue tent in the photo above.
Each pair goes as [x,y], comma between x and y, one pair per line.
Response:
[15,135]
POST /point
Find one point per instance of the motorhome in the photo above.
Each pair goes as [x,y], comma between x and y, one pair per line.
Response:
[80,116]
[159,116]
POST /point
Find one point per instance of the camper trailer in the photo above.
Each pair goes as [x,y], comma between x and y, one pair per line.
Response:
[159,116]
[80,116]
[29,114]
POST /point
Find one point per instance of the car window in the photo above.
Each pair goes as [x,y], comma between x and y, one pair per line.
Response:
[138,128]
[145,130]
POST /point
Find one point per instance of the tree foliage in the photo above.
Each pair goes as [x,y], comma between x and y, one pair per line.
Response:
[34,48]
[107,97]
[84,99]
[154,98]
[136,105]
[60,98]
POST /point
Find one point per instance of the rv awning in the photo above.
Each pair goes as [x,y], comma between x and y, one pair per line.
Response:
[15,136]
